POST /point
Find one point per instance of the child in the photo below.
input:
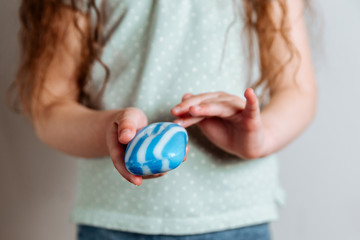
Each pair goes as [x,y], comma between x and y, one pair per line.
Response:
[93,73]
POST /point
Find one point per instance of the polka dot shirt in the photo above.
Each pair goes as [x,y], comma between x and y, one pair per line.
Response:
[157,51]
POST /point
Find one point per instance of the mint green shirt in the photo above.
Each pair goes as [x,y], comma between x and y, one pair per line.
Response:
[157,51]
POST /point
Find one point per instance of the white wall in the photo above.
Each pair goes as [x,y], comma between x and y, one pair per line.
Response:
[36,184]
[320,170]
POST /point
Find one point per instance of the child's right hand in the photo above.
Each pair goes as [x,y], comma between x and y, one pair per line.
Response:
[122,129]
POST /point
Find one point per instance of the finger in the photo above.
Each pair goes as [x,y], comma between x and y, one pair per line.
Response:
[224,109]
[184,106]
[252,109]
[130,121]
[186,96]
[117,152]
[188,121]
[154,176]
[186,153]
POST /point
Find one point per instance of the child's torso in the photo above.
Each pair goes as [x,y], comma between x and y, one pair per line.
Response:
[157,51]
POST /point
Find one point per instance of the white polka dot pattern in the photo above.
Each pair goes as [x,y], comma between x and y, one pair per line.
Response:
[158,51]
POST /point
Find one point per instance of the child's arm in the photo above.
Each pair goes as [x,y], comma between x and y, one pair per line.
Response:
[238,126]
[64,124]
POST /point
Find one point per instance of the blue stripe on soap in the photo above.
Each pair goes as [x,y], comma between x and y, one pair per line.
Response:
[156,128]
[177,141]
[137,170]
[154,166]
[139,143]
[134,166]
[156,139]
[132,143]
[150,151]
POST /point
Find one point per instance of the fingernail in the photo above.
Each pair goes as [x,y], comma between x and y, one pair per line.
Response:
[137,181]
[186,96]
[180,122]
[176,109]
[124,132]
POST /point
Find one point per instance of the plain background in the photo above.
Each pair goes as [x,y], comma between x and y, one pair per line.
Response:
[320,170]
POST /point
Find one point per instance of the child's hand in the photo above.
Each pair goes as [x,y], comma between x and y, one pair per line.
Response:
[230,122]
[121,131]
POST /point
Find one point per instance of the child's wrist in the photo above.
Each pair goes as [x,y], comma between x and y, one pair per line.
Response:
[268,143]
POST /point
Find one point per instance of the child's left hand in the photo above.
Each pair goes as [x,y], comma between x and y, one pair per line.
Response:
[231,123]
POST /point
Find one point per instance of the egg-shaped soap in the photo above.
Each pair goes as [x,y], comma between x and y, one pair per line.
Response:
[157,148]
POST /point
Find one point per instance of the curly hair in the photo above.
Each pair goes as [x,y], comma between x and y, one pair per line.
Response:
[41,31]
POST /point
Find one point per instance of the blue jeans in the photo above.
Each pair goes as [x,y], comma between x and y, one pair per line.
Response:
[256,232]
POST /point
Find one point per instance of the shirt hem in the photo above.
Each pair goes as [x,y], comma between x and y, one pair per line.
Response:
[175,226]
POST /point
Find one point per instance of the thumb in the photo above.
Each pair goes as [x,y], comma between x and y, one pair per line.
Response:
[252,109]
[131,120]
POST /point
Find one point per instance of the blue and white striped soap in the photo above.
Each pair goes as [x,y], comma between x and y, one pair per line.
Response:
[157,148]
